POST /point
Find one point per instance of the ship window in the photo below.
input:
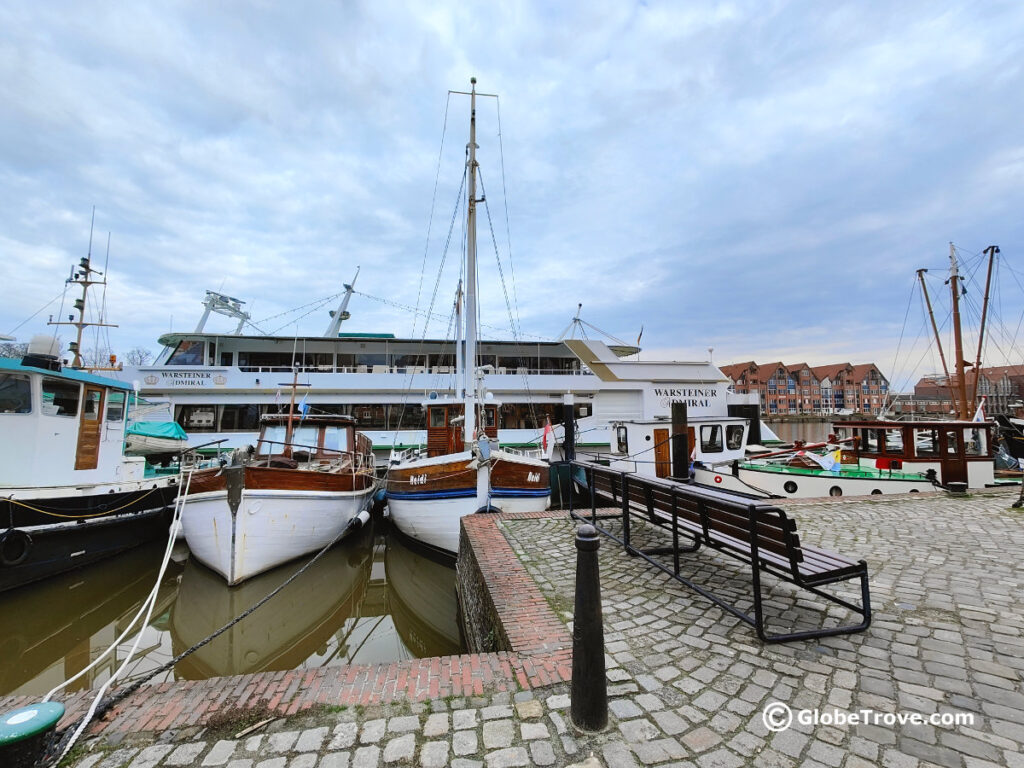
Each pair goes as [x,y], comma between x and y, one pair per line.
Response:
[437,417]
[489,416]
[91,406]
[115,406]
[711,438]
[187,353]
[869,440]
[60,398]
[240,417]
[196,418]
[893,440]
[622,439]
[977,443]
[15,393]
[409,361]
[273,439]
[226,358]
[336,439]
[926,442]
[734,437]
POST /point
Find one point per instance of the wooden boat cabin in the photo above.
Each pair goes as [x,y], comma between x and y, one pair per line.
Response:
[957,451]
[321,439]
[445,426]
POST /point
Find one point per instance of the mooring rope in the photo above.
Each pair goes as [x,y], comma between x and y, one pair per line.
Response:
[102,706]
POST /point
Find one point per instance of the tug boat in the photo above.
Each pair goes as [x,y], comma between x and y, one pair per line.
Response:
[68,494]
[299,490]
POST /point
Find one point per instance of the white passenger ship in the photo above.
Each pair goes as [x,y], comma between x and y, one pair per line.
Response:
[218,385]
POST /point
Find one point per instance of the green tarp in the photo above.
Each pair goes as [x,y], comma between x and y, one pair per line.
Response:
[168,429]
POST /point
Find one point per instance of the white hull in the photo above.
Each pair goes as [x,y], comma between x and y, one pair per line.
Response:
[436,522]
[803,486]
[270,528]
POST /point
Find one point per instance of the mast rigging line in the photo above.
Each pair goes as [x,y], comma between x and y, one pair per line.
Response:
[433,201]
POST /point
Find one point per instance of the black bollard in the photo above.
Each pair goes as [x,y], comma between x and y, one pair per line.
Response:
[589,706]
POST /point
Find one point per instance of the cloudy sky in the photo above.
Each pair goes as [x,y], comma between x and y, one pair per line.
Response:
[763,178]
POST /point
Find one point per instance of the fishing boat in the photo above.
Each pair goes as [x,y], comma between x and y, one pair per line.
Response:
[68,494]
[306,482]
[463,469]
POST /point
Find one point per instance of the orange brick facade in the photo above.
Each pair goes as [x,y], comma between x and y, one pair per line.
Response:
[787,389]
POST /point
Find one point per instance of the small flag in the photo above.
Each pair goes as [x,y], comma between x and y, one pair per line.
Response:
[979,415]
[639,335]
[303,406]
[547,440]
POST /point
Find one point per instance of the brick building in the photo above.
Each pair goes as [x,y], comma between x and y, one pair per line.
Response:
[999,385]
[797,388]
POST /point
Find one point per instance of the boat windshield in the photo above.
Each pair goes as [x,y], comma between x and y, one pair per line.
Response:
[273,439]
[15,393]
[336,439]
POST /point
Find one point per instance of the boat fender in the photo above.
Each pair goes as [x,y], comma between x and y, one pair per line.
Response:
[363,517]
[15,546]
[489,508]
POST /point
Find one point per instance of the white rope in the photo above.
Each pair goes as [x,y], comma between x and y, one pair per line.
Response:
[147,607]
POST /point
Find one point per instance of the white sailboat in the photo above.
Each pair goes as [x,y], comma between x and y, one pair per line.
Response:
[463,471]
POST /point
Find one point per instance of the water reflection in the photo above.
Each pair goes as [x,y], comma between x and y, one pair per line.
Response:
[306,624]
[423,601]
[369,600]
[51,630]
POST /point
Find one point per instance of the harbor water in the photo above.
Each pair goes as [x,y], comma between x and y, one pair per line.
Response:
[371,599]
[808,431]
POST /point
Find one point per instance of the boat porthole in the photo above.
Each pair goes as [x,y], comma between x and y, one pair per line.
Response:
[914,490]
[876,492]
[835,490]
[789,486]
[14,547]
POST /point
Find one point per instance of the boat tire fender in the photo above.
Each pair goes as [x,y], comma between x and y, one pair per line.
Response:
[15,546]
[489,508]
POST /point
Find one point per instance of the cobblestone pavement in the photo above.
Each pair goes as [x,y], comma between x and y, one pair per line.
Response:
[688,683]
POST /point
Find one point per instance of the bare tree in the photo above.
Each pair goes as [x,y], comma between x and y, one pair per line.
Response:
[138,356]
[13,349]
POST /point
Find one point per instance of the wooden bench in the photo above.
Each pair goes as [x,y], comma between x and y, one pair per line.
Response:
[754,532]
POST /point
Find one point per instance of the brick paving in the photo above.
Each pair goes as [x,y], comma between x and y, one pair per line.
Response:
[688,683]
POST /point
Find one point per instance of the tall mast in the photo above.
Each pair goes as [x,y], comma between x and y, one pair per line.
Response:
[992,250]
[954,287]
[470,370]
[935,328]
[83,275]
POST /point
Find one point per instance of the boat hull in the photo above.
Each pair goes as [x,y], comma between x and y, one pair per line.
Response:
[270,526]
[49,534]
[427,500]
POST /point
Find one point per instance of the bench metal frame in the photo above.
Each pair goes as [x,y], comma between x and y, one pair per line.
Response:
[622,483]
